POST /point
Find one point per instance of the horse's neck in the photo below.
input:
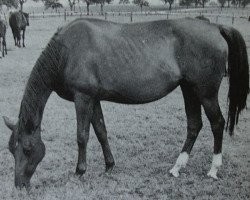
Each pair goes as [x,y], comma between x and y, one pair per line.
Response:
[35,97]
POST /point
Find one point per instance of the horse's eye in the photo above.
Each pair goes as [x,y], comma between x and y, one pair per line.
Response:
[27,152]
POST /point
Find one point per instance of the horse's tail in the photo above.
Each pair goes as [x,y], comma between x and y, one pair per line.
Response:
[238,71]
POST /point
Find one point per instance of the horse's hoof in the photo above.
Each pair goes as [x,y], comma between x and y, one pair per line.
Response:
[80,170]
[212,175]
[174,172]
[109,167]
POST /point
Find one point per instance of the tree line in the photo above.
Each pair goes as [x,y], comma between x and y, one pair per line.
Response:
[55,4]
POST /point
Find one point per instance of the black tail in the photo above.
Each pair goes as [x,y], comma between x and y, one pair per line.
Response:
[238,70]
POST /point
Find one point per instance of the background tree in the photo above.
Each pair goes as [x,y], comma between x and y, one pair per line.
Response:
[54,4]
[203,2]
[124,2]
[196,3]
[21,2]
[186,3]
[71,4]
[9,3]
[239,3]
[101,2]
[88,2]
[170,2]
[141,3]
[222,3]
[244,3]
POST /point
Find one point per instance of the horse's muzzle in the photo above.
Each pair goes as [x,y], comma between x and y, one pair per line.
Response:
[22,182]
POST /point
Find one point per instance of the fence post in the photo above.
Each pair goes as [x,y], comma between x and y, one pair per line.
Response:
[233,19]
[131,17]
[43,14]
[33,14]
[65,15]
[105,16]
[167,16]
[217,18]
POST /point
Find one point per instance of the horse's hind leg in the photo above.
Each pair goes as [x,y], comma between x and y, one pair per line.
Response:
[1,47]
[194,125]
[84,111]
[213,112]
[101,133]
[5,46]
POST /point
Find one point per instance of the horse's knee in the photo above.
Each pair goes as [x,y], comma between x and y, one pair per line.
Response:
[101,136]
[82,138]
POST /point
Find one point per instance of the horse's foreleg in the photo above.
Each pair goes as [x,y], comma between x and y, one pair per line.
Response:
[19,38]
[194,125]
[101,133]
[84,111]
[4,46]
[14,37]
[23,37]
[213,112]
[1,47]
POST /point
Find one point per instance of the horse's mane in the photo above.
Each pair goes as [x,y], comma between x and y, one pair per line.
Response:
[44,77]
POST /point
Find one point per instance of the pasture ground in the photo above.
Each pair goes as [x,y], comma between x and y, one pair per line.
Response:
[145,140]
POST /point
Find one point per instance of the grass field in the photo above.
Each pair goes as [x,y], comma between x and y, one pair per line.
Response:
[145,140]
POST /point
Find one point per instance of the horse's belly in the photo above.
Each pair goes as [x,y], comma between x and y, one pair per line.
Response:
[144,78]
[143,87]
[138,93]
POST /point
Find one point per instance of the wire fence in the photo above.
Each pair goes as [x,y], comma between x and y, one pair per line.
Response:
[214,15]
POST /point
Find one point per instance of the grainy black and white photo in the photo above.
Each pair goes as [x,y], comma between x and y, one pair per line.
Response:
[124,99]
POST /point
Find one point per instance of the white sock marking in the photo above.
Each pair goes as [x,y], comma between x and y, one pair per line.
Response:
[180,162]
[216,163]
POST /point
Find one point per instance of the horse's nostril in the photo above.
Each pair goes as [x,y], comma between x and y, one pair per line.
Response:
[23,185]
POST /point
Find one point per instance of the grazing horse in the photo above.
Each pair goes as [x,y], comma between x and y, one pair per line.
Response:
[3,36]
[18,21]
[91,60]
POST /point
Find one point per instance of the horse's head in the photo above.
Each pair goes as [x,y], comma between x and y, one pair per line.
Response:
[27,148]
[27,16]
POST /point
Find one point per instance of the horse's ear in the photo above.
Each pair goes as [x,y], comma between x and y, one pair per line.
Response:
[10,124]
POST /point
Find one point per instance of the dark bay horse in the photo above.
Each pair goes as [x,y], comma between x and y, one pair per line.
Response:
[3,36]
[18,21]
[90,60]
